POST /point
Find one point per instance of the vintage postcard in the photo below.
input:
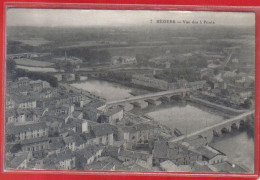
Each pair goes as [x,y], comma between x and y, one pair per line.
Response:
[130,90]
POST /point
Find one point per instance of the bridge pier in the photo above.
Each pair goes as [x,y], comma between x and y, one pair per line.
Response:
[165,99]
[235,126]
[217,132]
[226,129]
[153,102]
[127,106]
[140,104]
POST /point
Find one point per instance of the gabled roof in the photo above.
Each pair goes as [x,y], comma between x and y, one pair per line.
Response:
[209,152]
[102,129]
[16,129]
[13,161]
[34,140]
[88,151]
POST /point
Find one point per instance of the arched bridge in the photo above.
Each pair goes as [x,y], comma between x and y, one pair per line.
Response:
[152,98]
[216,129]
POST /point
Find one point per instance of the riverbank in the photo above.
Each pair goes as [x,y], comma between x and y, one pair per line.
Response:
[238,146]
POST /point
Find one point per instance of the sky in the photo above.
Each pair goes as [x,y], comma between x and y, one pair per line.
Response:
[83,18]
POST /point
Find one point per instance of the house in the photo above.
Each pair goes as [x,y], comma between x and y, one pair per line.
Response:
[37,146]
[70,142]
[18,160]
[27,131]
[65,109]
[123,60]
[182,83]
[211,155]
[168,166]
[12,116]
[150,82]
[178,155]
[197,85]
[23,102]
[80,142]
[9,102]
[58,77]
[38,85]
[87,155]
[103,134]
[104,163]
[68,77]
[112,115]
[23,82]
[65,160]
[77,114]
[137,133]
[144,158]
[56,145]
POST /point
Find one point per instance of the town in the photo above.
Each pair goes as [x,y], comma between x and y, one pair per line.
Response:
[146,97]
[65,128]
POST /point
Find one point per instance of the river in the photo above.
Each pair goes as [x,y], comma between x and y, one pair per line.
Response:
[37,69]
[186,117]
[109,91]
[238,146]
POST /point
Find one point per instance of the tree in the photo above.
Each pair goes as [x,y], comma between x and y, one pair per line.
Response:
[10,65]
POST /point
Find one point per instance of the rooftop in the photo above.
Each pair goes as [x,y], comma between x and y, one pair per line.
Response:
[13,161]
[16,129]
[102,129]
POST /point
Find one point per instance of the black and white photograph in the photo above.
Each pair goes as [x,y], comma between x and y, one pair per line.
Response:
[129,90]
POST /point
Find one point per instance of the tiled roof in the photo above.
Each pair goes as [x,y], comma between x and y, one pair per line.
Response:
[209,152]
[102,129]
[34,140]
[14,161]
[113,110]
[69,139]
[134,154]
[88,151]
[68,154]
[16,129]
[160,149]
[138,127]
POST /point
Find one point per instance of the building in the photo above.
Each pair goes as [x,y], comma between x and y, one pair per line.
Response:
[87,155]
[212,155]
[197,85]
[37,146]
[178,155]
[123,60]
[128,155]
[26,131]
[168,166]
[12,116]
[21,101]
[70,142]
[18,160]
[112,115]
[137,134]
[65,160]
[105,163]
[103,134]
[65,109]
[150,82]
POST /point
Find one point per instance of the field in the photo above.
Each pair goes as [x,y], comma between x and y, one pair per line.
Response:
[35,42]
[29,62]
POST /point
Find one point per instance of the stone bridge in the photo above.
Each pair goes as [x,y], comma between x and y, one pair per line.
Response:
[217,129]
[142,101]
